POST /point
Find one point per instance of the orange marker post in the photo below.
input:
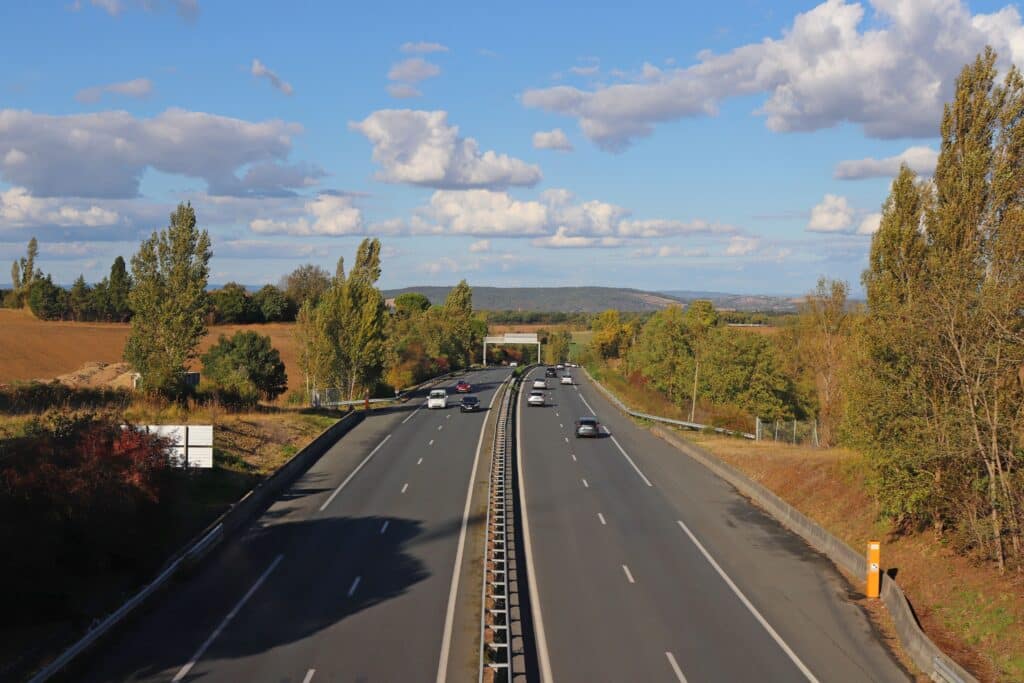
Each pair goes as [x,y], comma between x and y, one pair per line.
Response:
[874,573]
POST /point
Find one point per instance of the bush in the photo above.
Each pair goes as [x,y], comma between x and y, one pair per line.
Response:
[38,397]
[232,304]
[272,305]
[47,300]
[245,367]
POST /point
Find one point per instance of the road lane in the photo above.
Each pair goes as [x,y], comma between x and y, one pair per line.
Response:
[672,616]
[360,591]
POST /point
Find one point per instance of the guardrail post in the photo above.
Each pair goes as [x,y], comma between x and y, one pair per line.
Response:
[874,573]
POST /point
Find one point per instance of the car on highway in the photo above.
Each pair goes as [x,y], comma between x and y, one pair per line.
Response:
[550,372]
[469,404]
[536,398]
[566,379]
[540,384]
[560,366]
[587,427]
[463,387]
[513,364]
[437,398]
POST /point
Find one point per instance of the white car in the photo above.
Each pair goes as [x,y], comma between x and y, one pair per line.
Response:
[513,364]
[560,367]
[438,398]
[536,398]
[540,384]
[566,379]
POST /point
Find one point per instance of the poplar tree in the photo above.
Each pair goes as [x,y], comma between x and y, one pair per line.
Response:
[169,301]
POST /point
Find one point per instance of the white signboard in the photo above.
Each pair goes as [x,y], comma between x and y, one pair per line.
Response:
[192,444]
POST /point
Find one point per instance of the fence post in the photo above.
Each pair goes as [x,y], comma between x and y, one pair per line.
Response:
[757,429]
[794,431]
[776,430]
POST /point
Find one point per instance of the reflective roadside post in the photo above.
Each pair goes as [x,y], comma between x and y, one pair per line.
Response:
[874,573]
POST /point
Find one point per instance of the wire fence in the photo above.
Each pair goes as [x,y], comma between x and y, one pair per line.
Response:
[796,432]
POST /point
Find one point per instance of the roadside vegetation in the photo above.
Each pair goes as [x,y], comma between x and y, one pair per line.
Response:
[924,384]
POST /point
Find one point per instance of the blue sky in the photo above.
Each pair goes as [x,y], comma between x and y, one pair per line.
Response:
[739,146]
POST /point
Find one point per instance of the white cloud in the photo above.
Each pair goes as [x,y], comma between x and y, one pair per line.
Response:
[329,215]
[441,265]
[480,246]
[260,70]
[19,209]
[921,160]
[563,239]
[269,249]
[869,225]
[552,139]
[832,214]
[742,246]
[137,88]
[105,154]
[420,148]
[890,74]
[670,251]
[668,228]
[481,212]
[423,48]
[413,70]
[584,70]
[403,91]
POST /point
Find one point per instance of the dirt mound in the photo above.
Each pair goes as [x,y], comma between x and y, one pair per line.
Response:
[99,374]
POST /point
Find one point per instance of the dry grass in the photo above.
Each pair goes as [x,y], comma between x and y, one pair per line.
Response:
[35,349]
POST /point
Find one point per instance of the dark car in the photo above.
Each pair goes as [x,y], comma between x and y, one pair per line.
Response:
[550,372]
[469,404]
[587,427]
[463,387]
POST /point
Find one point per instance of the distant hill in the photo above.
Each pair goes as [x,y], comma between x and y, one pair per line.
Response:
[739,302]
[550,299]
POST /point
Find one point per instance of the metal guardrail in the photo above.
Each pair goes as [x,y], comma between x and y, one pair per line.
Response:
[657,418]
[495,622]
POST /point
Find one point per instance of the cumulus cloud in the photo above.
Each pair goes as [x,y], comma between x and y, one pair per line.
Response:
[422,48]
[420,148]
[136,88]
[564,239]
[260,70]
[869,225]
[105,154]
[329,215]
[921,160]
[552,139]
[413,70]
[403,91]
[19,209]
[890,75]
[832,214]
[742,246]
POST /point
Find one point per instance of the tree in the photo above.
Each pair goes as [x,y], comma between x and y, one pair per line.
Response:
[79,300]
[232,304]
[411,303]
[458,318]
[24,272]
[558,346]
[271,304]
[700,318]
[609,334]
[46,300]
[247,364]
[662,353]
[824,332]
[314,337]
[120,284]
[306,283]
[169,301]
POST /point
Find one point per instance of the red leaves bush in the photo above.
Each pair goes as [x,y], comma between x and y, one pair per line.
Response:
[79,502]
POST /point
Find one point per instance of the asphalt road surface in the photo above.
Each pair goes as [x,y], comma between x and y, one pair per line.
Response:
[347,577]
[647,567]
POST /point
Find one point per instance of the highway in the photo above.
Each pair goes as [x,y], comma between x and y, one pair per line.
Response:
[347,577]
[646,567]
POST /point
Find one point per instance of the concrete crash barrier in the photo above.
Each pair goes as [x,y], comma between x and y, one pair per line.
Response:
[238,516]
[925,654]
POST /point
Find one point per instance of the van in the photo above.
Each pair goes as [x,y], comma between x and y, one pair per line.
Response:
[438,398]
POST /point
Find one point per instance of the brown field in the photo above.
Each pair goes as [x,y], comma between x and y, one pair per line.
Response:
[35,349]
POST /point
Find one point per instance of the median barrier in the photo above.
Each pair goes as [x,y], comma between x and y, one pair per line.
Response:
[239,515]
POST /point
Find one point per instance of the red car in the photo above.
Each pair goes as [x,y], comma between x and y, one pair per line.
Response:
[463,388]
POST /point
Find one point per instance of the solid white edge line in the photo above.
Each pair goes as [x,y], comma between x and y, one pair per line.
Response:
[355,585]
[587,405]
[626,455]
[750,607]
[309,676]
[629,574]
[353,473]
[675,667]
[453,591]
[231,615]
[531,575]
[412,415]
